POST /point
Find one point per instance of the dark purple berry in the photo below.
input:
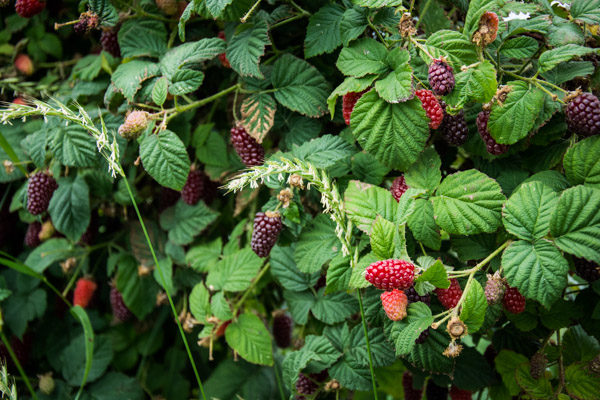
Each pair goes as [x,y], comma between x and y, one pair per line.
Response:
[588,270]
[491,145]
[81,27]
[583,115]
[194,187]
[249,150]
[435,392]
[266,230]
[32,236]
[414,297]
[168,198]
[39,192]
[282,330]
[120,310]
[454,128]
[422,337]
[110,42]
[304,385]
[399,187]
[441,77]
[490,355]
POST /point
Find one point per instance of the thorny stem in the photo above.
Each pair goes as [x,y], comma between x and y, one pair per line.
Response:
[13,356]
[364,324]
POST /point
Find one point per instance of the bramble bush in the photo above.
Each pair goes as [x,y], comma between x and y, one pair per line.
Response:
[282,199]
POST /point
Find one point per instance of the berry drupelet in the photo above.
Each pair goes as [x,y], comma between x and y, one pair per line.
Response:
[391,274]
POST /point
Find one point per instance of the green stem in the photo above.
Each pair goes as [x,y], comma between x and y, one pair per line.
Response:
[199,103]
[252,285]
[377,33]
[422,13]
[285,21]
[166,287]
[364,324]
[302,10]
[250,11]
[13,356]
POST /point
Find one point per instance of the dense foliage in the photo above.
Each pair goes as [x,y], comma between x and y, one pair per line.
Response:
[229,199]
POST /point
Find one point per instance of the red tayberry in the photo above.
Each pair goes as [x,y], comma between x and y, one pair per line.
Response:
[459,394]
[348,102]
[29,8]
[84,291]
[513,301]
[399,187]
[223,56]
[449,297]
[391,274]
[394,303]
[432,107]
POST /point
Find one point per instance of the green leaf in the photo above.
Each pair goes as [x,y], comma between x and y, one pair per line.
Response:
[322,347]
[299,304]
[203,256]
[250,339]
[363,57]
[587,11]
[216,7]
[323,31]
[473,309]
[521,47]
[285,271]
[128,77]
[159,91]
[527,212]
[537,269]
[350,375]
[47,254]
[73,360]
[394,133]
[454,46]
[435,274]
[506,364]
[551,58]
[73,146]
[581,383]
[477,84]
[299,86]
[190,54]
[467,203]
[334,308]
[582,164]
[106,12]
[367,168]
[354,22]
[116,386]
[364,202]
[338,274]
[165,158]
[247,46]
[509,122]
[199,302]
[325,151]
[476,10]
[295,362]
[185,81]
[425,172]
[397,85]
[317,244]
[405,332]
[378,3]
[350,84]
[70,207]
[428,355]
[220,307]
[258,115]
[382,238]
[142,38]
[423,226]
[575,224]
[138,291]
[88,333]
[234,272]
[536,388]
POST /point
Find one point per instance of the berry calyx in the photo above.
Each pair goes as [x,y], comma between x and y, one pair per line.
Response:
[24,65]
[391,274]
[40,189]
[514,301]
[460,394]
[410,393]
[265,233]
[32,236]
[195,187]
[432,107]
[450,297]
[110,42]
[491,145]
[583,115]
[29,8]
[394,303]
[454,129]
[441,77]
[282,330]
[134,125]
[349,100]
[399,187]
[249,150]
[84,291]
[414,297]
[588,270]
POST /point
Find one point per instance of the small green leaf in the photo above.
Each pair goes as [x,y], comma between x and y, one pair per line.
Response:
[185,81]
[425,172]
[128,77]
[136,290]
[582,164]
[519,47]
[334,308]
[551,58]
[70,207]
[250,339]
[582,383]
[404,333]
[160,91]
[423,226]
[247,46]
[477,84]
[184,222]
[323,31]
[203,256]
[189,54]
[365,56]
[142,38]
[220,307]
[536,388]
[165,158]
[199,302]
[455,46]
[506,364]
[365,202]
[234,273]
[397,85]
[285,271]
[435,274]
[317,244]
[382,238]
[473,309]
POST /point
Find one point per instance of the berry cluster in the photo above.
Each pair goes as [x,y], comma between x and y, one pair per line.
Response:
[588,270]
[249,150]
[110,42]
[40,189]
[399,187]
[491,145]
[432,107]
[196,188]
[32,236]
[583,115]
[29,8]
[391,274]
[450,297]
[266,231]
[513,301]
[414,297]
[304,385]
[441,77]
[134,125]
[454,128]
[87,22]
[349,100]
[494,289]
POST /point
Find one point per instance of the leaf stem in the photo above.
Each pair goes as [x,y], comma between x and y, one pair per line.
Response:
[239,303]
[377,33]
[13,356]
[199,103]
[364,324]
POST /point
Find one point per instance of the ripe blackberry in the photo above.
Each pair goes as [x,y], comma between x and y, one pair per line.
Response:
[304,385]
[194,187]
[266,230]
[441,77]
[537,365]
[449,297]
[454,128]
[282,330]
[119,309]
[513,301]
[32,236]
[391,274]
[494,289]
[460,394]
[491,145]
[399,187]
[223,56]
[249,150]
[348,102]
[168,198]
[422,337]
[588,270]
[435,392]
[414,297]
[39,192]
[394,304]
[29,8]
[84,291]
[432,107]
[410,393]
[583,115]
[110,42]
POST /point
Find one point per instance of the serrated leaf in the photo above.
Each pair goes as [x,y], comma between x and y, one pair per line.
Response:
[506,364]
[467,203]
[216,7]
[327,354]
[394,133]
[199,302]
[323,31]
[128,77]
[334,308]
[190,53]
[142,38]
[299,86]
[285,271]
[521,47]
[587,11]
[575,224]
[536,388]
[581,383]
[250,339]
[473,309]
[47,254]
[477,84]
[382,238]
[551,58]
[220,308]
[527,212]
[455,46]
[476,10]
[404,333]
[350,375]
[317,244]
[537,269]
[160,91]
[423,226]
[105,11]
[397,85]
[363,57]
[70,207]
[428,355]
[258,115]
[73,146]
[364,202]
[425,172]
[203,256]
[350,84]
[234,272]
[354,22]
[435,274]
[184,222]
[509,123]
[325,151]
[165,158]
[378,3]
[185,81]
[299,304]
[136,290]
[582,164]
[247,46]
